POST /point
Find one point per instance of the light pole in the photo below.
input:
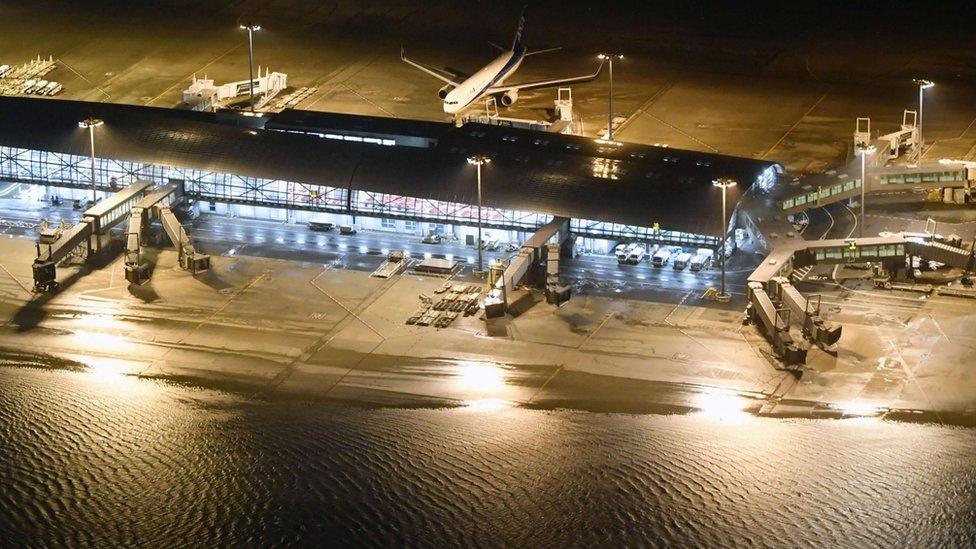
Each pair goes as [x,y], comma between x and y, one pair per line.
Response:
[724,184]
[91,123]
[922,86]
[251,28]
[610,57]
[864,151]
[479,160]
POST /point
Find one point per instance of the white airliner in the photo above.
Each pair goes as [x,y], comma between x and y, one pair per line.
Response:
[457,94]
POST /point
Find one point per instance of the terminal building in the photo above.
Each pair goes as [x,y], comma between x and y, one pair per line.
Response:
[380,173]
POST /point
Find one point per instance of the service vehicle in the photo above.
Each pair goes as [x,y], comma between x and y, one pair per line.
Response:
[662,256]
[681,261]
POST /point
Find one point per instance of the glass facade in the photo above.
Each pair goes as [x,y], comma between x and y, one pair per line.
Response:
[815,197]
[49,168]
[944,176]
[846,253]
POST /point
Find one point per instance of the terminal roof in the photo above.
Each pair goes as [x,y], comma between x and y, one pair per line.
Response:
[530,171]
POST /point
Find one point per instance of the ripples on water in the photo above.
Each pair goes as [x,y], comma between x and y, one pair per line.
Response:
[97,459]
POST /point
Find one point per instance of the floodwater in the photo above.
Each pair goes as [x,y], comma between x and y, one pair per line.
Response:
[97,459]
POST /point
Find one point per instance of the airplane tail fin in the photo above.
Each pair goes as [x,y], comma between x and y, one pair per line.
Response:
[517,42]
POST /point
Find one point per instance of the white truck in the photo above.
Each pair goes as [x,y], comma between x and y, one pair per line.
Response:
[681,261]
[621,252]
[661,257]
[4,70]
[52,88]
[702,260]
[635,254]
[38,86]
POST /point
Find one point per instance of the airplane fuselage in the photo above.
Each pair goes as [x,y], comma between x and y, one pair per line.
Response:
[492,74]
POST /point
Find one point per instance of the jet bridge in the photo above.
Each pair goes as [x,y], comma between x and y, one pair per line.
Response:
[88,233]
[157,205]
[777,324]
[815,327]
[531,251]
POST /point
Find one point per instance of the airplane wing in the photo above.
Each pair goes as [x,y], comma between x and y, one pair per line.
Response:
[546,83]
[439,74]
[547,50]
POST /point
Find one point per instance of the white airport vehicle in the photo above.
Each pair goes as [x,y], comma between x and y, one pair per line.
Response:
[37,87]
[681,261]
[636,254]
[5,70]
[51,89]
[620,251]
[702,260]
[320,225]
[460,91]
[28,85]
[660,258]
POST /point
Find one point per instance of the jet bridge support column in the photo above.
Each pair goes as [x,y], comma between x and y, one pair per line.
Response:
[555,293]
[815,328]
[777,324]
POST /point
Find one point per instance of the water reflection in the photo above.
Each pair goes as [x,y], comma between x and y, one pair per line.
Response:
[483,385]
[860,409]
[487,405]
[721,405]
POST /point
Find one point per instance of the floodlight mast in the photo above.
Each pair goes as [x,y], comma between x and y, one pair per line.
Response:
[479,160]
[91,123]
[251,28]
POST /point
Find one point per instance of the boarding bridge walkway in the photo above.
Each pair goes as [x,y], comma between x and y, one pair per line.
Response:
[885,183]
[90,232]
[772,276]
[497,300]
[776,321]
[815,328]
[157,205]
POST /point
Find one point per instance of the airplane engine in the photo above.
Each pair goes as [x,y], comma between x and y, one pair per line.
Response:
[509,98]
[442,93]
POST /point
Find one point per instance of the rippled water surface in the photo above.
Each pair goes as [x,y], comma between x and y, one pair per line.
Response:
[96,459]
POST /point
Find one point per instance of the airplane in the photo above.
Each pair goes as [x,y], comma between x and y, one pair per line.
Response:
[458,94]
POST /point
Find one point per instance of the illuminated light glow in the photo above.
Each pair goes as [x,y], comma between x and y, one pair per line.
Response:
[301,240]
[860,409]
[449,257]
[100,321]
[100,339]
[363,249]
[487,405]
[602,141]
[427,255]
[385,251]
[721,405]
[481,377]
[279,240]
[342,246]
[606,168]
